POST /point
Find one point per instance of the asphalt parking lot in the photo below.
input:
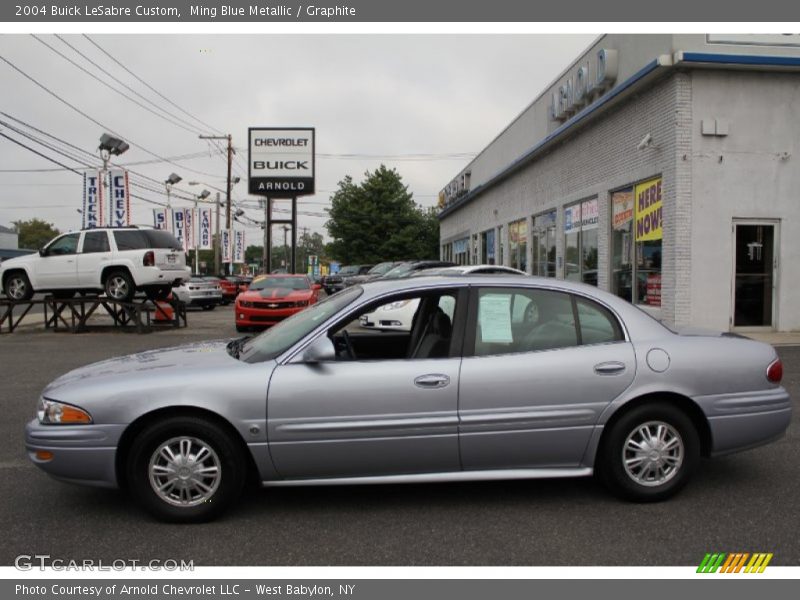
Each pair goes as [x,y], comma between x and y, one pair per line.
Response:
[745,502]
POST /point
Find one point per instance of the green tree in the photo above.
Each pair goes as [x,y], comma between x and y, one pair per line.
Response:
[34,233]
[378,220]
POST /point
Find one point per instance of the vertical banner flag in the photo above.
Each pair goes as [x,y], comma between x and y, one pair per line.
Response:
[238,246]
[226,245]
[188,229]
[161,218]
[179,226]
[119,200]
[92,200]
[204,226]
[647,207]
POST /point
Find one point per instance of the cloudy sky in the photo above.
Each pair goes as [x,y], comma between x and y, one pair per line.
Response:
[422,104]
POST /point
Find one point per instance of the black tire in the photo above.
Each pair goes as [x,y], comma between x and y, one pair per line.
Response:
[209,306]
[241,328]
[17,286]
[226,454]
[655,472]
[119,286]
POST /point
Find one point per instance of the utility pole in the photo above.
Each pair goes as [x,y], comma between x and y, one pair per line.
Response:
[231,151]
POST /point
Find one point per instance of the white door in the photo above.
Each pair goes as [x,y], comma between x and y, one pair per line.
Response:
[57,268]
[95,253]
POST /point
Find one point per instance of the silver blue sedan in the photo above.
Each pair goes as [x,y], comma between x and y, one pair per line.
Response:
[497,377]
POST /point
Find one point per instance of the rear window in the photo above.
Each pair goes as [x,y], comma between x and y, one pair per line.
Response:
[131,239]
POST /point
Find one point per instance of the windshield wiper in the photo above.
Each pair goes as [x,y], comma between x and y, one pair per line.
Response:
[234,347]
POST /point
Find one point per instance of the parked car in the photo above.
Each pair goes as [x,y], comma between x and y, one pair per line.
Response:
[469,270]
[397,316]
[408,268]
[483,387]
[118,261]
[375,272]
[198,291]
[336,282]
[272,298]
[230,288]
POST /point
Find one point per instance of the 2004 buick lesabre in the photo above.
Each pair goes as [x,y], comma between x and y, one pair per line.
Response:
[498,377]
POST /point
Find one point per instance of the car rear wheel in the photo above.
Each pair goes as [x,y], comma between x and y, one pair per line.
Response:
[650,453]
[119,286]
[186,470]
[17,287]
[209,306]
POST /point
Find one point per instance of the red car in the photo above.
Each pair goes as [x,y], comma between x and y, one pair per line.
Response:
[272,298]
[230,288]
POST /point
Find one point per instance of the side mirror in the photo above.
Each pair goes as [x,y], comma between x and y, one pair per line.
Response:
[321,350]
[42,252]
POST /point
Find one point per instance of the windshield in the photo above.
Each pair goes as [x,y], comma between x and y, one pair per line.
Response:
[381,268]
[269,283]
[279,338]
[349,270]
[399,270]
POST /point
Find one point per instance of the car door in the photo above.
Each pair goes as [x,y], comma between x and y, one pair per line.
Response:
[539,368]
[379,416]
[57,268]
[95,253]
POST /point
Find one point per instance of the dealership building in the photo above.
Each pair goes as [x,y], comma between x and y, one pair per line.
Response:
[662,168]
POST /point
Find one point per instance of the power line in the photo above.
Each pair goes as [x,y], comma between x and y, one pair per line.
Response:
[149,86]
[125,85]
[111,87]
[95,121]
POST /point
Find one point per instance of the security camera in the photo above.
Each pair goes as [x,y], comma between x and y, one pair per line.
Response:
[646,141]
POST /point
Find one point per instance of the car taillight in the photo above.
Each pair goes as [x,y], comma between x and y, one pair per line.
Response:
[775,371]
[149,259]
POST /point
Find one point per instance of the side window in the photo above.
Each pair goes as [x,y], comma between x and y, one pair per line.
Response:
[523,320]
[130,240]
[67,244]
[95,241]
[419,326]
[597,324]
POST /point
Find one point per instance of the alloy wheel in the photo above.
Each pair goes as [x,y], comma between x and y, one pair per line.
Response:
[184,471]
[653,453]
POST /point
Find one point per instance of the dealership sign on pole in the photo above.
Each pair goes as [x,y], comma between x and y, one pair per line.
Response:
[161,218]
[119,198]
[205,229]
[226,245]
[238,246]
[92,200]
[281,161]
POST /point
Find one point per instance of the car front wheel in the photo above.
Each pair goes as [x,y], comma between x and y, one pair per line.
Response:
[119,286]
[186,469]
[650,453]
[17,287]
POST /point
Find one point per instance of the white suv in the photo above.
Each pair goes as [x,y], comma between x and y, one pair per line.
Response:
[119,261]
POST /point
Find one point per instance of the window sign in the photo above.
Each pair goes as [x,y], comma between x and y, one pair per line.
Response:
[494,318]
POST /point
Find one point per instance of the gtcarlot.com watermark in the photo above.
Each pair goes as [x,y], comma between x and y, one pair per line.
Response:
[42,562]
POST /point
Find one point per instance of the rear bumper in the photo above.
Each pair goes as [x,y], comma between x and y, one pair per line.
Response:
[83,454]
[746,420]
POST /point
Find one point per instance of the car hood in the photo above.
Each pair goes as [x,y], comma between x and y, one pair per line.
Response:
[143,368]
[276,294]
[19,261]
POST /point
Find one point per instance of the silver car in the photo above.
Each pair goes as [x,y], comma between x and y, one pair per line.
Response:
[499,377]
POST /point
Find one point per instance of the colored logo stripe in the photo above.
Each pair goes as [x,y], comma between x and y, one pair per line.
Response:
[734,562]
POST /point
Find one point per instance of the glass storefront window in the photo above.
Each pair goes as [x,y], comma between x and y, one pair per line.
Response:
[501,249]
[636,243]
[580,242]
[487,247]
[461,251]
[518,244]
[544,245]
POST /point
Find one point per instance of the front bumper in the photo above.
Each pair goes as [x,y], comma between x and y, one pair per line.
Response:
[84,454]
[262,317]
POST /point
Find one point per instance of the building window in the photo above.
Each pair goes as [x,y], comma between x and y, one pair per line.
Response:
[544,244]
[461,251]
[518,244]
[636,243]
[500,246]
[580,242]
[487,247]
[474,260]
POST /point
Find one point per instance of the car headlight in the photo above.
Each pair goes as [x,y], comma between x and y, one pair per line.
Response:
[51,412]
[301,303]
[395,305]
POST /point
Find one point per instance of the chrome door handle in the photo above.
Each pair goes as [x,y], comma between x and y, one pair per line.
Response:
[609,368]
[434,380]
